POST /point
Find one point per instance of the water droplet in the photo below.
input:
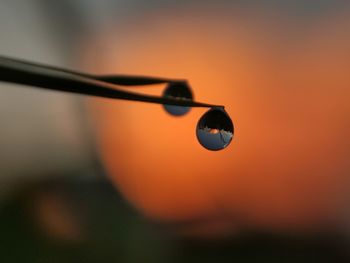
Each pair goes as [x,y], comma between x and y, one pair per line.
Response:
[177,90]
[215,129]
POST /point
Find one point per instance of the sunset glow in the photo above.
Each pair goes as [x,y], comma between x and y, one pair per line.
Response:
[287,91]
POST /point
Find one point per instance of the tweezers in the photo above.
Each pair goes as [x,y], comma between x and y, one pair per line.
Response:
[107,86]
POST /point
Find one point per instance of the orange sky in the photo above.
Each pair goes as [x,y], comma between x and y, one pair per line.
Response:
[286,87]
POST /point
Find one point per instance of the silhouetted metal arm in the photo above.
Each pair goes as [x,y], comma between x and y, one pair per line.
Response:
[54,78]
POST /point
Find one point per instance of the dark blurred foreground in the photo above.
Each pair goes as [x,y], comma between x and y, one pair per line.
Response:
[75,220]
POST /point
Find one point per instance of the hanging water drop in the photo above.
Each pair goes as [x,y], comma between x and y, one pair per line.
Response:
[177,90]
[215,129]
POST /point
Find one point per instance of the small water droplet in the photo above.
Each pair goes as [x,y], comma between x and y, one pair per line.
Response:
[181,91]
[215,129]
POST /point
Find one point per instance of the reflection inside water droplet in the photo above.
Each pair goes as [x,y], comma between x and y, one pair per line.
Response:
[215,129]
[177,90]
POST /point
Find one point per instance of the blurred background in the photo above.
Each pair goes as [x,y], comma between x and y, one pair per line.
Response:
[96,180]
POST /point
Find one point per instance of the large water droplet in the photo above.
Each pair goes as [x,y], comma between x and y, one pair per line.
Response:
[177,90]
[215,129]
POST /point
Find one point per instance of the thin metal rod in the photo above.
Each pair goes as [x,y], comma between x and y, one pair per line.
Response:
[123,80]
[14,71]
